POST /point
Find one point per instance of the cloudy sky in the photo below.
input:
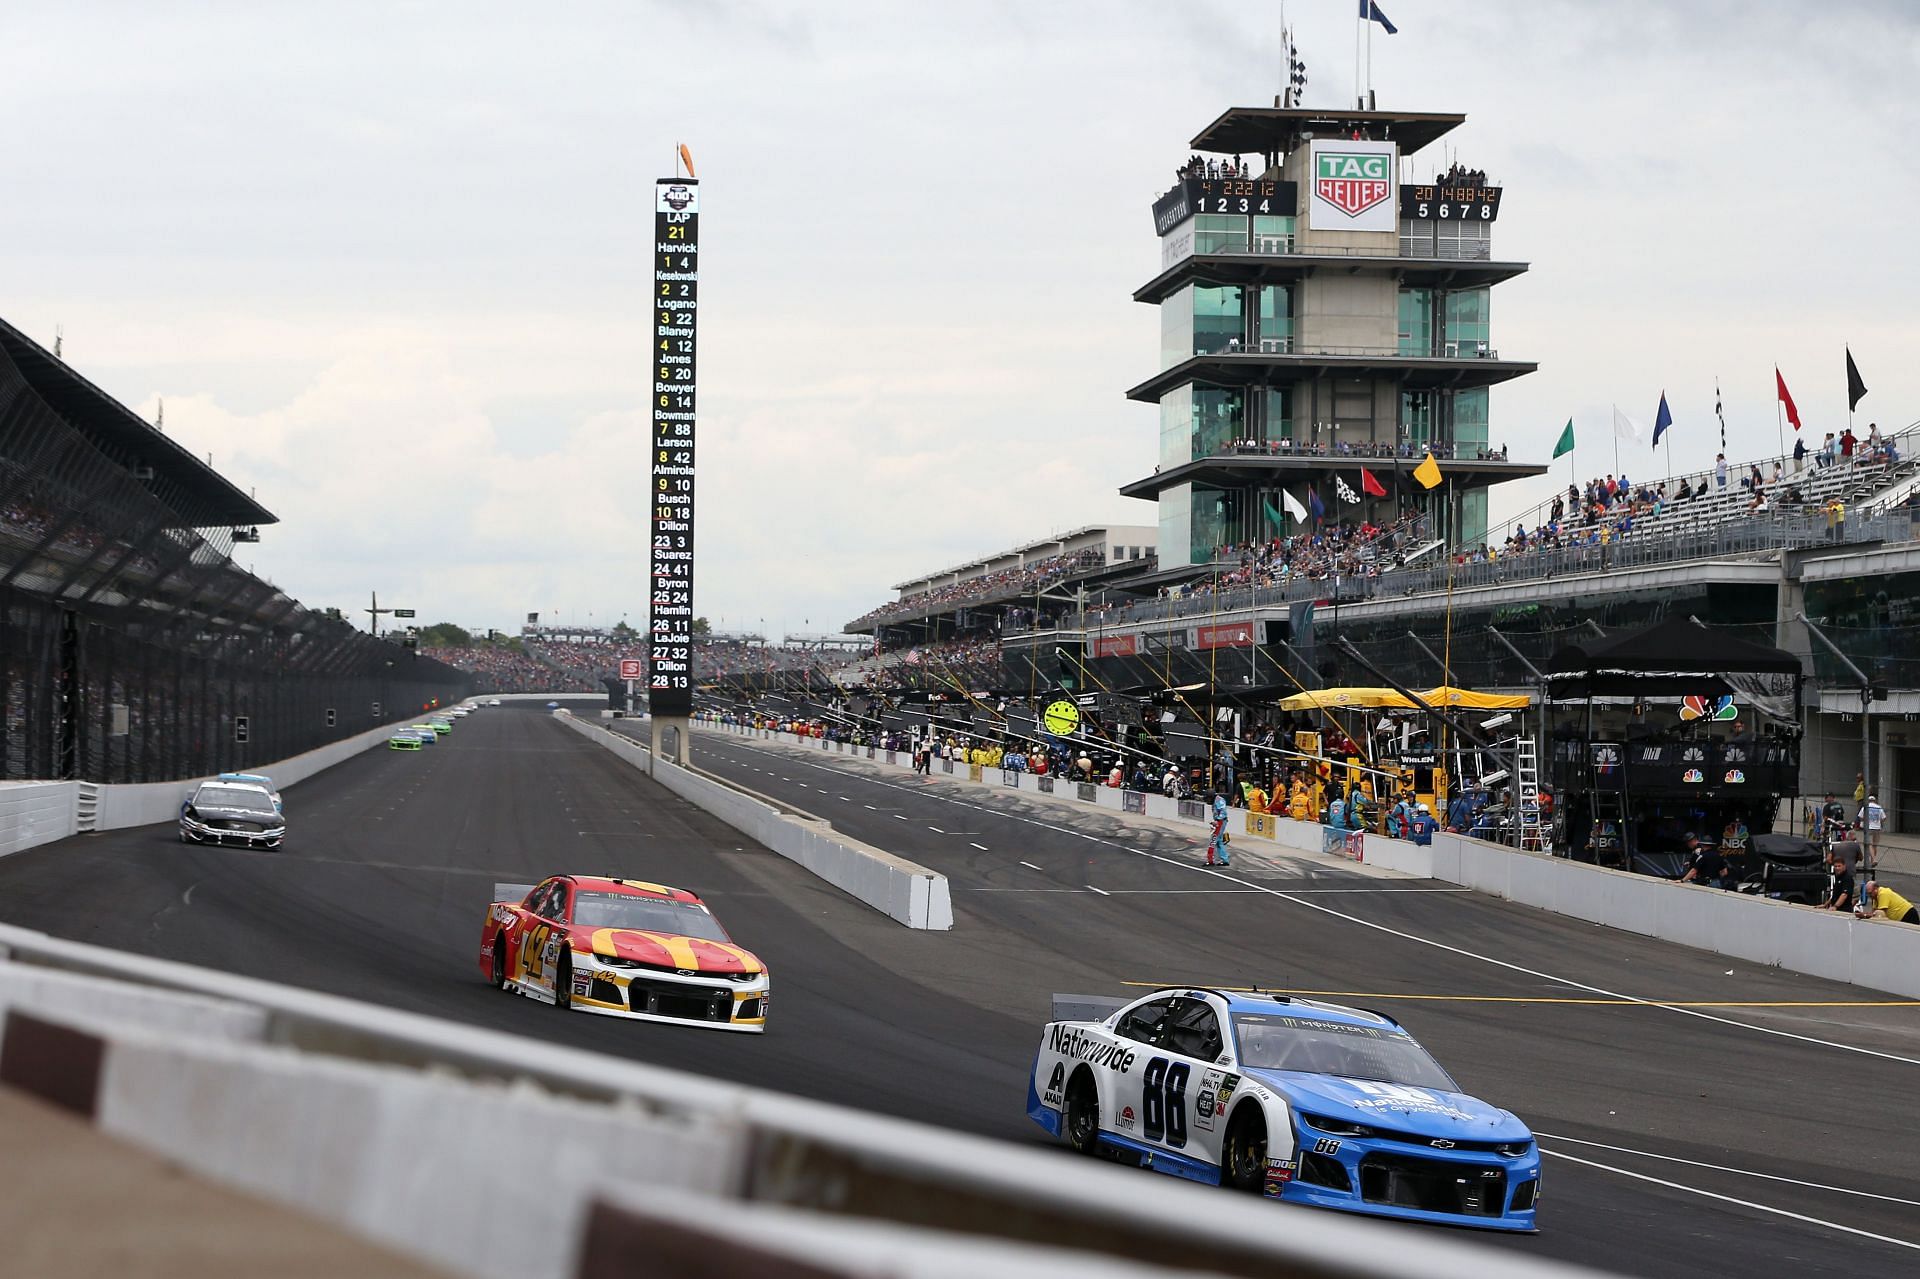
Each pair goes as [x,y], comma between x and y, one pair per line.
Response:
[387,262]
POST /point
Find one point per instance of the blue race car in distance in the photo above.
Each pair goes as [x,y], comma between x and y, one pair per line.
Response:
[1293,1099]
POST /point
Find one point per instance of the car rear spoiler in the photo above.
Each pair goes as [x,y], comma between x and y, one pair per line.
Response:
[511,892]
[1086,1007]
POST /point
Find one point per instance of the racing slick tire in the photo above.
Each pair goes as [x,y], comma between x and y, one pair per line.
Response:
[499,961]
[1082,1124]
[563,983]
[1243,1156]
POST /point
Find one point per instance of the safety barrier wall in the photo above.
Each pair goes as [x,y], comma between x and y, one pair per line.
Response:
[35,813]
[146,803]
[900,889]
[421,1134]
[1874,953]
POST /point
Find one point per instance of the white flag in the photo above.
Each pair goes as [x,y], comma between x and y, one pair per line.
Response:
[1626,428]
[1294,508]
[1346,492]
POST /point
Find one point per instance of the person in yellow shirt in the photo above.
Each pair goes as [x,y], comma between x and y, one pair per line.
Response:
[1257,799]
[1879,902]
[1297,802]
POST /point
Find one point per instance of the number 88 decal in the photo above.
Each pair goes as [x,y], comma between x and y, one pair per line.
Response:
[1163,1104]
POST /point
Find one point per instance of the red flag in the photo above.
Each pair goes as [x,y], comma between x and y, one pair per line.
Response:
[1780,383]
[1371,486]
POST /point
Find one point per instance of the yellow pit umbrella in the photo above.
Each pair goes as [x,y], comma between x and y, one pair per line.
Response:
[1320,699]
[1387,698]
[1445,695]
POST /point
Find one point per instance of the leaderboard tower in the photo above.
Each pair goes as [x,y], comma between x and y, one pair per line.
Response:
[1323,311]
[676,309]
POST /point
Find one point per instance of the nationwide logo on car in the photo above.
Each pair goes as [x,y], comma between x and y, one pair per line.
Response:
[1352,181]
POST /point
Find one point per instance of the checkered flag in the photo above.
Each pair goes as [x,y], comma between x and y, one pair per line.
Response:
[1346,492]
[1720,411]
[1296,70]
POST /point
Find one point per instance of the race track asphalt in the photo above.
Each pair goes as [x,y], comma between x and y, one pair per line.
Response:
[381,891]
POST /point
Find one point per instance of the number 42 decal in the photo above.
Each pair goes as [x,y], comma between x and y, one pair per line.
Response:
[1163,1103]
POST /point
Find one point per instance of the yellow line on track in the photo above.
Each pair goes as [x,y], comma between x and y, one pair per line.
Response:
[1554,999]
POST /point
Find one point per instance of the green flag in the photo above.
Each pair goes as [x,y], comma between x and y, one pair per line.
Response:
[1565,446]
[1279,523]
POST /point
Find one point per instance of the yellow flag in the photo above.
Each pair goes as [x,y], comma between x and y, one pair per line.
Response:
[1428,472]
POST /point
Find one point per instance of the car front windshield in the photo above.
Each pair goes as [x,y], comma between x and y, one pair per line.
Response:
[647,914]
[1274,1041]
[233,797]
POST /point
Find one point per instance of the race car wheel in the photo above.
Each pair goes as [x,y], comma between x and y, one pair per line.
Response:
[499,961]
[563,983]
[1243,1157]
[1082,1128]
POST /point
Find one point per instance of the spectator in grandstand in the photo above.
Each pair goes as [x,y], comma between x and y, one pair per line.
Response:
[1799,453]
[1829,451]
[1847,443]
[1720,470]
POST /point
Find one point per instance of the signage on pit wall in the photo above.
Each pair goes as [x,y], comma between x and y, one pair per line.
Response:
[632,668]
[1061,718]
[1353,185]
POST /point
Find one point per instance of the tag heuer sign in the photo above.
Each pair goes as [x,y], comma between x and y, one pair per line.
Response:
[1353,185]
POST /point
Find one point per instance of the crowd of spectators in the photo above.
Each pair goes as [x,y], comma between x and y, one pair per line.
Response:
[1200,167]
[1347,549]
[973,662]
[1008,583]
[503,668]
[1442,451]
[1610,507]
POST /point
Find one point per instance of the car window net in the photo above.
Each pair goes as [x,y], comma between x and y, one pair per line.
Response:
[1336,1048]
[647,914]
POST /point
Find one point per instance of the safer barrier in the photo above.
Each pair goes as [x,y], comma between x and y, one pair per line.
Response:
[489,1153]
[898,888]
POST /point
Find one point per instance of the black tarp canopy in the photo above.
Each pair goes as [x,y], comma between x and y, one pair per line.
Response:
[1678,656]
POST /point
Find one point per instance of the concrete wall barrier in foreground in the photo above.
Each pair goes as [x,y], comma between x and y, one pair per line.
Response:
[903,890]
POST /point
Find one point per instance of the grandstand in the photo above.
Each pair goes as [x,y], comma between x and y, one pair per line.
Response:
[132,647]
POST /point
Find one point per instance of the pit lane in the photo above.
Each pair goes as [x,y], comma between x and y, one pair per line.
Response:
[391,858]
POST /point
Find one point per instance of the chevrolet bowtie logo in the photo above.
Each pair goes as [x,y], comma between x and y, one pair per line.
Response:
[1442,1144]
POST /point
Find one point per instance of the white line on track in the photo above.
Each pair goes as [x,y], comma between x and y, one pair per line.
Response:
[936,830]
[1029,865]
[1407,936]
[1103,892]
[1744,1203]
[982,847]
[1742,1172]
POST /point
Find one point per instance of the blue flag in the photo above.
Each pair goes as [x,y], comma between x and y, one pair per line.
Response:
[1315,505]
[1662,420]
[1370,10]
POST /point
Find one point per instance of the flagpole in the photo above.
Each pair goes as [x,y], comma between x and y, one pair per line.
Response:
[1356,64]
[1616,439]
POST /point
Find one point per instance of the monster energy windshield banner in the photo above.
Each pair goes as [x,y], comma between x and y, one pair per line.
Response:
[1352,186]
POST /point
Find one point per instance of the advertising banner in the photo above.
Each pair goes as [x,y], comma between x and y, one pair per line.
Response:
[1353,185]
